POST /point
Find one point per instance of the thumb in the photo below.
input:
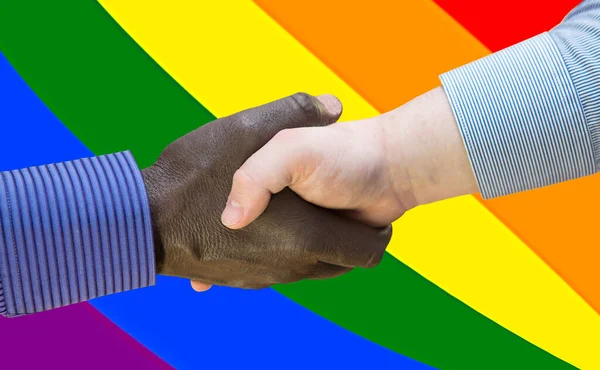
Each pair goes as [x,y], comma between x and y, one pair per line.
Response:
[283,161]
[292,155]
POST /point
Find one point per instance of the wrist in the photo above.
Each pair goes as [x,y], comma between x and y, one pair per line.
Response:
[150,179]
[425,151]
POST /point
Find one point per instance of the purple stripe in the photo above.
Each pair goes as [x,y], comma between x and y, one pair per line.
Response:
[77,337]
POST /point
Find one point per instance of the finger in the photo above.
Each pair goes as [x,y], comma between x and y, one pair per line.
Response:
[342,241]
[259,125]
[325,270]
[200,287]
[298,110]
[290,157]
[325,235]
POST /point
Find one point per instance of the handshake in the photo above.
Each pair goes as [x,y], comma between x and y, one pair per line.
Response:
[289,238]
[270,195]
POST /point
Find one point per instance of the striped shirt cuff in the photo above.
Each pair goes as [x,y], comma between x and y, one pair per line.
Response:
[520,118]
[73,231]
[578,40]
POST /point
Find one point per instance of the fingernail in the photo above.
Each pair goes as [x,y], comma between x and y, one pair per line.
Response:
[232,214]
[331,104]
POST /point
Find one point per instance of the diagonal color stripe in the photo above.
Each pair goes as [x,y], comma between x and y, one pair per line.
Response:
[65,338]
[531,297]
[533,216]
[238,329]
[484,19]
[518,257]
[561,215]
[262,329]
[426,43]
[277,62]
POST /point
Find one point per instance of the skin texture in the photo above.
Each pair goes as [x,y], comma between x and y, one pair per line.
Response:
[292,240]
[375,169]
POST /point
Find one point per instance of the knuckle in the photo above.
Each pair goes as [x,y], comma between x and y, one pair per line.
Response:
[385,235]
[306,103]
[242,178]
[375,259]
[286,136]
[246,121]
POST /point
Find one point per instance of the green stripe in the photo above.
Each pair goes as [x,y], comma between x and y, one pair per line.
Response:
[110,94]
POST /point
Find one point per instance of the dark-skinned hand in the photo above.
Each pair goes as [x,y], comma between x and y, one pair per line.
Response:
[292,240]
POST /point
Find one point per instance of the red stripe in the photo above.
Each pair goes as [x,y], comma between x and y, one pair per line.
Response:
[501,23]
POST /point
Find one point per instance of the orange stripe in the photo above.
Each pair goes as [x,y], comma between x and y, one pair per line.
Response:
[366,44]
[355,40]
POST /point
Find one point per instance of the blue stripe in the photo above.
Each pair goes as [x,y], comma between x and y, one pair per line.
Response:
[529,115]
[224,328]
[51,245]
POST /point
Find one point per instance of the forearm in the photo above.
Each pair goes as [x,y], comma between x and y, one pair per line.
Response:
[71,232]
[523,118]
[425,151]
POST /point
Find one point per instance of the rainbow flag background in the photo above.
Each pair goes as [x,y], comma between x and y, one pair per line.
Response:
[510,283]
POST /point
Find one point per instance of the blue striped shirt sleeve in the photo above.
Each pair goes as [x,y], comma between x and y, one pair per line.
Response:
[73,231]
[529,115]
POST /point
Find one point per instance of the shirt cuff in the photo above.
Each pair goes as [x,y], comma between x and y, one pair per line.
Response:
[520,118]
[73,231]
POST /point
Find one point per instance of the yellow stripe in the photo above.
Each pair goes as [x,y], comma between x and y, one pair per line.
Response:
[457,244]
